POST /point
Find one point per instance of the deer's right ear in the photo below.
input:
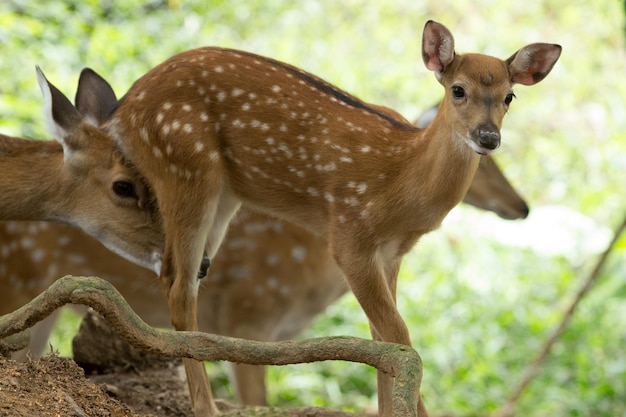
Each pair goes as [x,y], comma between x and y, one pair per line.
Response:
[533,62]
[61,116]
[95,98]
[437,47]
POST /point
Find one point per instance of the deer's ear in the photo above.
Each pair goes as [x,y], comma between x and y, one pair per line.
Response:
[437,47]
[61,116]
[533,62]
[95,98]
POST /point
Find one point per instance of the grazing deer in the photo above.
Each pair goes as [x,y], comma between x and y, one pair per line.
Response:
[211,128]
[83,181]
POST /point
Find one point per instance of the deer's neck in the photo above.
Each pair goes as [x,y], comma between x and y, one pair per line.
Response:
[438,169]
[451,162]
[29,182]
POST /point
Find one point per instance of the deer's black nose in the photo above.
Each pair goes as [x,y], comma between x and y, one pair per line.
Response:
[488,138]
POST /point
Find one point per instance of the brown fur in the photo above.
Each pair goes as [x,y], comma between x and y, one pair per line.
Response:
[197,125]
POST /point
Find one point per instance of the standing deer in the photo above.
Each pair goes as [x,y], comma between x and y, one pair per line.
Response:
[211,128]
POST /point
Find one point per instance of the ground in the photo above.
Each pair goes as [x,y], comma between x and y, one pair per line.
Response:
[127,383]
[54,386]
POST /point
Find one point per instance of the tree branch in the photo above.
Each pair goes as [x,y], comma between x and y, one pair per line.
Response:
[508,409]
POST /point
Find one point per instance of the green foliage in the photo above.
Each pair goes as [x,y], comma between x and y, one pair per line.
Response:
[478,302]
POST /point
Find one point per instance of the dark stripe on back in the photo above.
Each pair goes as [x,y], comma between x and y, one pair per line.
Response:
[327,88]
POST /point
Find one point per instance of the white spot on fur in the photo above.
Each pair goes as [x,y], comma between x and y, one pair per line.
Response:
[27,242]
[272,259]
[299,253]
[283,147]
[37,255]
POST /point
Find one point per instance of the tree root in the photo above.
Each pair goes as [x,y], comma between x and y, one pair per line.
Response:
[401,362]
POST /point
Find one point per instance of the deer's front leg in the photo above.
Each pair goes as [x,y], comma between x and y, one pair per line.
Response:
[366,276]
[184,250]
[372,277]
[182,300]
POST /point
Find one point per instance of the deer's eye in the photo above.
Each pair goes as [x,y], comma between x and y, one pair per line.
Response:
[509,98]
[124,189]
[458,92]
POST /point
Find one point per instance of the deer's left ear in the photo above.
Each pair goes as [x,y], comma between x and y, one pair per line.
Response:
[533,62]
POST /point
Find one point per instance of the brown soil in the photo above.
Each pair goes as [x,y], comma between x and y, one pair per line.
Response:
[122,382]
[54,386]
[57,387]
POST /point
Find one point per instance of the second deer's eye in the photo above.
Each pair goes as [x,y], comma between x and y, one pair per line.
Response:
[124,189]
[458,92]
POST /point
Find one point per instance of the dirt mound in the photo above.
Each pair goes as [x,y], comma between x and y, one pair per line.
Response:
[54,386]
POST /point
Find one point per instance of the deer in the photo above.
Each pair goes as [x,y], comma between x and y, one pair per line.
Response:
[210,129]
[268,281]
[84,181]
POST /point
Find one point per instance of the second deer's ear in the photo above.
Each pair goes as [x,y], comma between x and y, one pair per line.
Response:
[61,116]
[95,98]
[437,47]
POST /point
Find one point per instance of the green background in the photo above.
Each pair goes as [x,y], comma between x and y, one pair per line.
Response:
[479,295]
